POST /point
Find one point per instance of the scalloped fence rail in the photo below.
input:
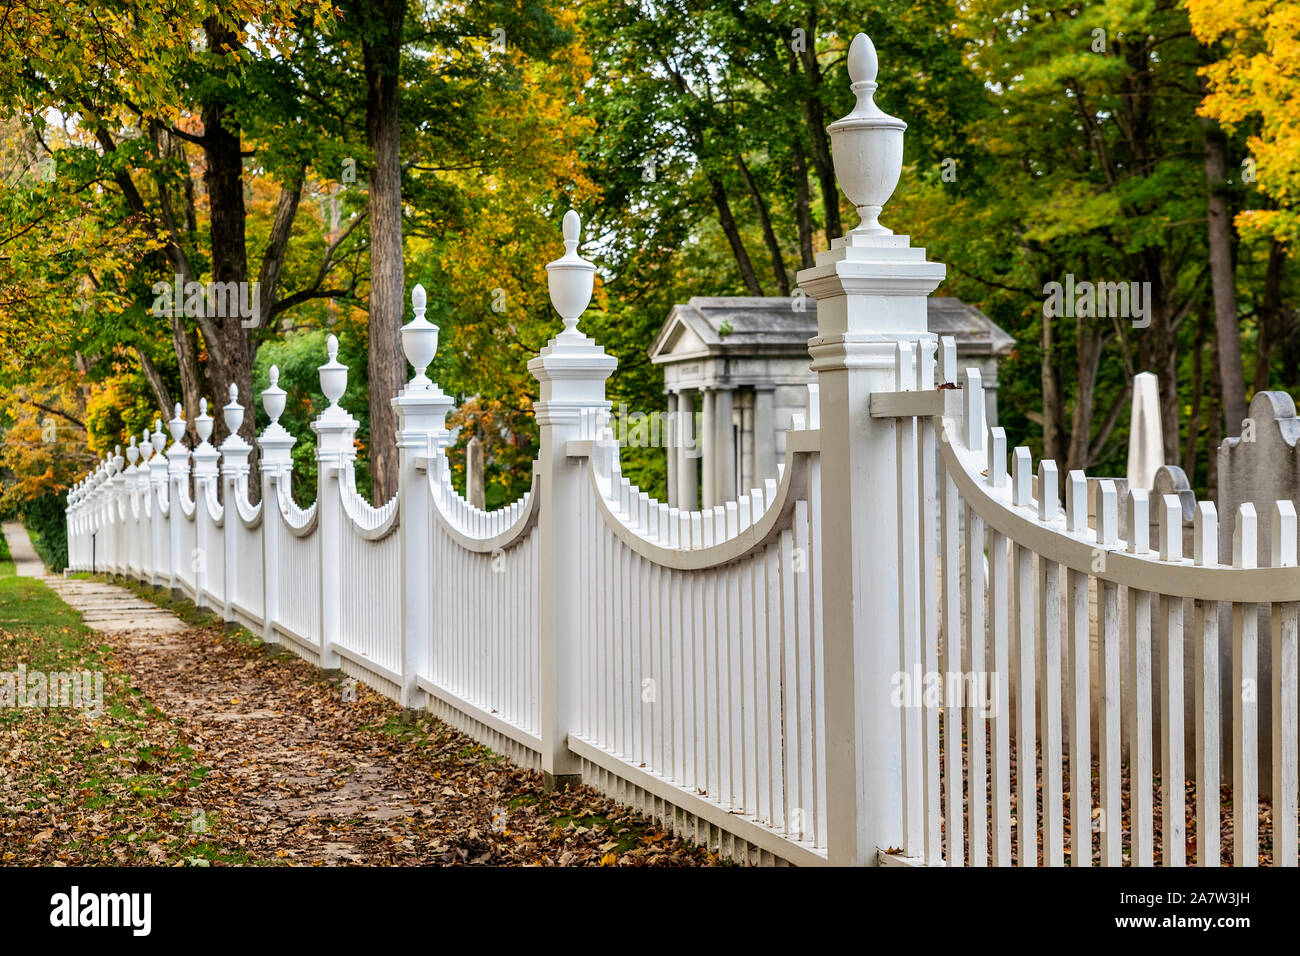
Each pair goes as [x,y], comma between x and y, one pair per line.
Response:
[888,654]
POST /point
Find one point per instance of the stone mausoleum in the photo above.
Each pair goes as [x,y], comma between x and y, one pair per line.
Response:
[743,363]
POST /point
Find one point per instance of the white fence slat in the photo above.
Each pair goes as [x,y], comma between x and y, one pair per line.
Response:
[1025,653]
[909,624]
[1286,731]
[929,504]
[1245,706]
[1000,722]
[1173,775]
[976,726]
[949,518]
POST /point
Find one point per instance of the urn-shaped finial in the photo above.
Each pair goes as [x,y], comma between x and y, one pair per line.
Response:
[867,144]
[177,425]
[132,453]
[419,338]
[146,449]
[273,397]
[159,439]
[570,277]
[333,374]
[234,412]
[118,460]
[203,424]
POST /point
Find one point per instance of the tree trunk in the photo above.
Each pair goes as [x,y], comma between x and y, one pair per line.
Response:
[382,49]
[230,359]
[1223,277]
[815,120]
[1198,400]
[1213,432]
[1052,411]
[729,227]
[1270,316]
[161,393]
[765,220]
[1088,349]
[803,215]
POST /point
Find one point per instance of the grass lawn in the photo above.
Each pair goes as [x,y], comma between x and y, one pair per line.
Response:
[82,789]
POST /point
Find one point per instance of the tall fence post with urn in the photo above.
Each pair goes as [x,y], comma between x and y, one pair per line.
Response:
[572,370]
[871,289]
[421,409]
[234,476]
[205,458]
[277,471]
[335,430]
[178,470]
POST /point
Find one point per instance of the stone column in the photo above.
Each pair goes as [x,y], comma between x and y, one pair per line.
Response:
[724,447]
[688,453]
[669,436]
[708,442]
[764,434]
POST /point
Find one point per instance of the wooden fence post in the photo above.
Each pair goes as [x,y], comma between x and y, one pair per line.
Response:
[277,468]
[572,370]
[335,430]
[871,289]
[178,472]
[234,476]
[205,477]
[157,482]
[421,409]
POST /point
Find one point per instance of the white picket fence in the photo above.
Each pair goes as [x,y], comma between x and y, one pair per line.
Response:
[735,672]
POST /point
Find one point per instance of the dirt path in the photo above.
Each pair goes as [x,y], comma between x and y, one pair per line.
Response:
[311,771]
[301,769]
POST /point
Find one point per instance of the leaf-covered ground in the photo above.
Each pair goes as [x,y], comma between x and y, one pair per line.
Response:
[215,750]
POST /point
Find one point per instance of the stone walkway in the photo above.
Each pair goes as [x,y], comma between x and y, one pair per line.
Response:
[104,607]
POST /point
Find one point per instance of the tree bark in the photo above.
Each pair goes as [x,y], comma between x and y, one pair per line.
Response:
[161,393]
[1198,400]
[230,359]
[1223,277]
[732,232]
[1088,347]
[802,213]
[815,120]
[1270,316]
[765,220]
[381,49]
[1053,446]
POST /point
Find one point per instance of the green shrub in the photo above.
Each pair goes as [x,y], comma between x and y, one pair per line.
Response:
[47,526]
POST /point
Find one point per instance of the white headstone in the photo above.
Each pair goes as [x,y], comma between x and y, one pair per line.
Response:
[1146,451]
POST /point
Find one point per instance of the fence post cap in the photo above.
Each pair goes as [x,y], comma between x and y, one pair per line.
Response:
[333,374]
[570,278]
[419,339]
[867,143]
